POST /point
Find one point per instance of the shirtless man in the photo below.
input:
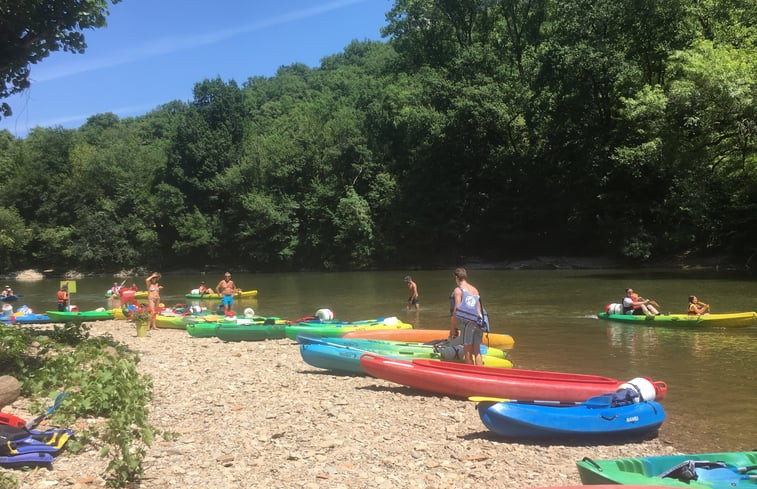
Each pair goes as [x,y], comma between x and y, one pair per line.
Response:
[227,289]
[413,288]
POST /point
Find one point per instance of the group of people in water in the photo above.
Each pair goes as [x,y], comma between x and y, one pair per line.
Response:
[226,289]
[635,304]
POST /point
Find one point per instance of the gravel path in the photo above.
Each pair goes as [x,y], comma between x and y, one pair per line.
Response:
[253,414]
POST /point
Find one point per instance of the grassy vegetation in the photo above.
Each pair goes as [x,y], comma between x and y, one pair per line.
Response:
[100,379]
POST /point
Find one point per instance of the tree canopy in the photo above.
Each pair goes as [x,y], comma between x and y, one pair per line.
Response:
[490,128]
[30,30]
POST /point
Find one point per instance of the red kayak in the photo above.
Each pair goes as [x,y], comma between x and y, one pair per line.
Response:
[461,380]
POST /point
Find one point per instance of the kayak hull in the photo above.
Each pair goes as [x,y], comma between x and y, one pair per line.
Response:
[239,295]
[597,417]
[250,330]
[731,320]
[462,380]
[335,329]
[648,470]
[346,359]
[494,340]
[79,317]
[399,346]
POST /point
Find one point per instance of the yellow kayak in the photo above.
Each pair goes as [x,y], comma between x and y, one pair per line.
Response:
[729,320]
[246,293]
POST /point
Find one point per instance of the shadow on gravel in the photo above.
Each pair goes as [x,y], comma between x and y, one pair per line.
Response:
[335,373]
[400,389]
[574,441]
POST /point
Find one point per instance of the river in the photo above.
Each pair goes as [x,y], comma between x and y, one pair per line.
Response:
[552,317]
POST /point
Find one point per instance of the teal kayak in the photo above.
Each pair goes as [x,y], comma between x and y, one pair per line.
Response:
[400,346]
[323,353]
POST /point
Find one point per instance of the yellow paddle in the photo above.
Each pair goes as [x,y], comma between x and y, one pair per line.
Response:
[487,399]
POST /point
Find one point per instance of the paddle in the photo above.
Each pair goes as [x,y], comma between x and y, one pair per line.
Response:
[488,399]
[501,399]
[31,424]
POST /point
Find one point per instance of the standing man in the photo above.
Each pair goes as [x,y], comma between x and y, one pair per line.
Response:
[227,289]
[465,308]
[413,288]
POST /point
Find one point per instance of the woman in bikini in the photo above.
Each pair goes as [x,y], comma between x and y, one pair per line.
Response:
[153,297]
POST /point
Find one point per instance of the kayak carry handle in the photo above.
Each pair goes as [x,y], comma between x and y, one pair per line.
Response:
[592,462]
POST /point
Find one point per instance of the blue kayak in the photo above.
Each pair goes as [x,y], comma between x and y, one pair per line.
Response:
[595,417]
[322,353]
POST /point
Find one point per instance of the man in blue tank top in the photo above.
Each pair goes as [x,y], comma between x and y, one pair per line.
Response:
[471,332]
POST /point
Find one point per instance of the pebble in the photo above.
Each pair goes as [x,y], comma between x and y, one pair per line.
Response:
[253,414]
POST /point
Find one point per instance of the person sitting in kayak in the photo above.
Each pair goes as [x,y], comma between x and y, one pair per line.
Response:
[633,304]
[203,289]
[7,292]
[697,308]
[115,289]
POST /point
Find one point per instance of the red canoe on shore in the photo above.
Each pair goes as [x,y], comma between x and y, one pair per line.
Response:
[461,380]
[493,340]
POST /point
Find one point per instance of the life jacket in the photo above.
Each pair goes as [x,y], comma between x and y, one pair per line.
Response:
[468,310]
[62,296]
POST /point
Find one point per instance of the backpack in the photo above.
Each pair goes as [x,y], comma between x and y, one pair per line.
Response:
[468,310]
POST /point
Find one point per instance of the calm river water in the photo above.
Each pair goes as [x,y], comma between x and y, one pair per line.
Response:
[552,317]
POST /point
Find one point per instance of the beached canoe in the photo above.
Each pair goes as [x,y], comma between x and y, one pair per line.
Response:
[598,416]
[462,380]
[334,328]
[725,470]
[494,340]
[78,317]
[252,329]
[30,318]
[731,320]
[322,353]
[445,349]
[238,295]
[170,321]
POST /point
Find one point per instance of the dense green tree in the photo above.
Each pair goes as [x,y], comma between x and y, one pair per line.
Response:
[30,30]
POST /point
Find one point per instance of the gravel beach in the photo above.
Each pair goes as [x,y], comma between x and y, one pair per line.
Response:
[253,414]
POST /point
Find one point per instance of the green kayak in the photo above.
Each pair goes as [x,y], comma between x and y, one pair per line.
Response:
[257,327]
[79,317]
[240,330]
[334,328]
[726,470]
[727,320]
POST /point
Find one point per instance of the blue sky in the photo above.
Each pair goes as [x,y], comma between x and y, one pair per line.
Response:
[154,51]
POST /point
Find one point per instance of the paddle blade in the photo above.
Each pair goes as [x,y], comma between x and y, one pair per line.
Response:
[487,399]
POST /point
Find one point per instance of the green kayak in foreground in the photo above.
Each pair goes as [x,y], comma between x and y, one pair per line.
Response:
[730,320]
[79,317]
[725,470]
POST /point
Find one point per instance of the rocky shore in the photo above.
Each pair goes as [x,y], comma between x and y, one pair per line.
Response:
[253,414]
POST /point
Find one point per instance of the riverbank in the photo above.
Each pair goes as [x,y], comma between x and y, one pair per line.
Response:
[253,414]
[715,264]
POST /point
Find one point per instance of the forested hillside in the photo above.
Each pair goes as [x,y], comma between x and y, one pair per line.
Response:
[487,128]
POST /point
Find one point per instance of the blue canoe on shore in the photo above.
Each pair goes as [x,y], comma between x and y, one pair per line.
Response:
[595,417]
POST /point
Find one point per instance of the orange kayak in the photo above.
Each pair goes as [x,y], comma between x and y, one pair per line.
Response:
[494,340]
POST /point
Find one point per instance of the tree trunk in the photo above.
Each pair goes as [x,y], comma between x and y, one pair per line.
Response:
[10,389]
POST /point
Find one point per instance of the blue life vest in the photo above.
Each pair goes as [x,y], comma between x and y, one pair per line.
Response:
[468,310]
